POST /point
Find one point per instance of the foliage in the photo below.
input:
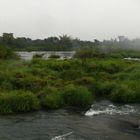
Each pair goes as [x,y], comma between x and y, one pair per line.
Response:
[88,53]
[59,83]
[37,55]
[54,56]
[7,53]
[114,48]
[52,101]
[18,101]
[77,96]
[125,94]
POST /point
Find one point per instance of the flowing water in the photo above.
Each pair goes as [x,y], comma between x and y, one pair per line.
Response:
[63,55]
[132,59]
[46,54]
[104,121]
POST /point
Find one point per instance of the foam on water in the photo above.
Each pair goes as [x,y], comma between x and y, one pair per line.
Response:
[62,137]
[67,136]
[133,59]
[111,109]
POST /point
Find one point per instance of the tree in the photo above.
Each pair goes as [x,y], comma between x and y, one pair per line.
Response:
[66,41]
[8,38]
[22,42]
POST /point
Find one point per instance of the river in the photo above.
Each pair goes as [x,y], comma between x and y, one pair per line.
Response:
[104,121]
[63,54]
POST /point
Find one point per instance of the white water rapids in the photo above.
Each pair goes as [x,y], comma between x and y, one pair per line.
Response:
[106,107]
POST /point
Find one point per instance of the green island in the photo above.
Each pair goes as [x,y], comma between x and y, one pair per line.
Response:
[52,84]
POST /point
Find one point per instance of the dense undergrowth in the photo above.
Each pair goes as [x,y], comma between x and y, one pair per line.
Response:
[51,84]
[7,53]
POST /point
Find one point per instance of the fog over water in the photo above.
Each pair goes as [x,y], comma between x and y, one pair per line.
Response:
[85,19]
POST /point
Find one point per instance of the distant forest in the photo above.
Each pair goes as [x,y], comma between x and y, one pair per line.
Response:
[64,43]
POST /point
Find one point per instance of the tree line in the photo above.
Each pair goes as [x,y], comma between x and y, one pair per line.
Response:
[64,43]
[61,43]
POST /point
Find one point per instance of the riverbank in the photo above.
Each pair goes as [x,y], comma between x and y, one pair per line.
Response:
[52,84]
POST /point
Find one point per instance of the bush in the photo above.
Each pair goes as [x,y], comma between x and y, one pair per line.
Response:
[51,98]
[54,56]
[7,53]
[18,101]
[71,74]
[111,66]
[52,101]
[29,82]
[77,96]
[88,53]
[124,94]
[48,90]
[6,86]
[87,82]
[105,88]
[38,55]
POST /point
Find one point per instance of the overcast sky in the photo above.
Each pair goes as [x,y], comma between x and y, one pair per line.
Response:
[85,19]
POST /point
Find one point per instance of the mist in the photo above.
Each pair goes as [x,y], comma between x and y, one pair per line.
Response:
[85,19]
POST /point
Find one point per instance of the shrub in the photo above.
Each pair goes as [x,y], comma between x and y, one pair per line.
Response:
[52,101]
[18,101]
[54,56]
[111,66]
[6,86]
[29,82]
[49,90]
[105,88]
[121,76]
[87,82]
[88,53]
[7,53]
[77,96]
[71,74]
[38,55]
[124,94]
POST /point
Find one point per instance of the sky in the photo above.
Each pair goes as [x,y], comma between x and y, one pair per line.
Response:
[84,19]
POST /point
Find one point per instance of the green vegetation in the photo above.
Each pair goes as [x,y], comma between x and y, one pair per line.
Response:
[38,55]
[51,98]
[89,53]
[18,101]
[57,83]
[52,84]
[113,48]
[54,56]
[52,101]
[77,96]
[7,53]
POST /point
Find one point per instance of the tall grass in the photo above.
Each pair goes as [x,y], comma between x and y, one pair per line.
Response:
[18,101]
[77,96]
[7,53]
[57,83]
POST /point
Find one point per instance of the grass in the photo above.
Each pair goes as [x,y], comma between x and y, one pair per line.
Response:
[51,98]
[126,94]
[77,96]
[52,101]
[18,102]
[53,84]
[7,53]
